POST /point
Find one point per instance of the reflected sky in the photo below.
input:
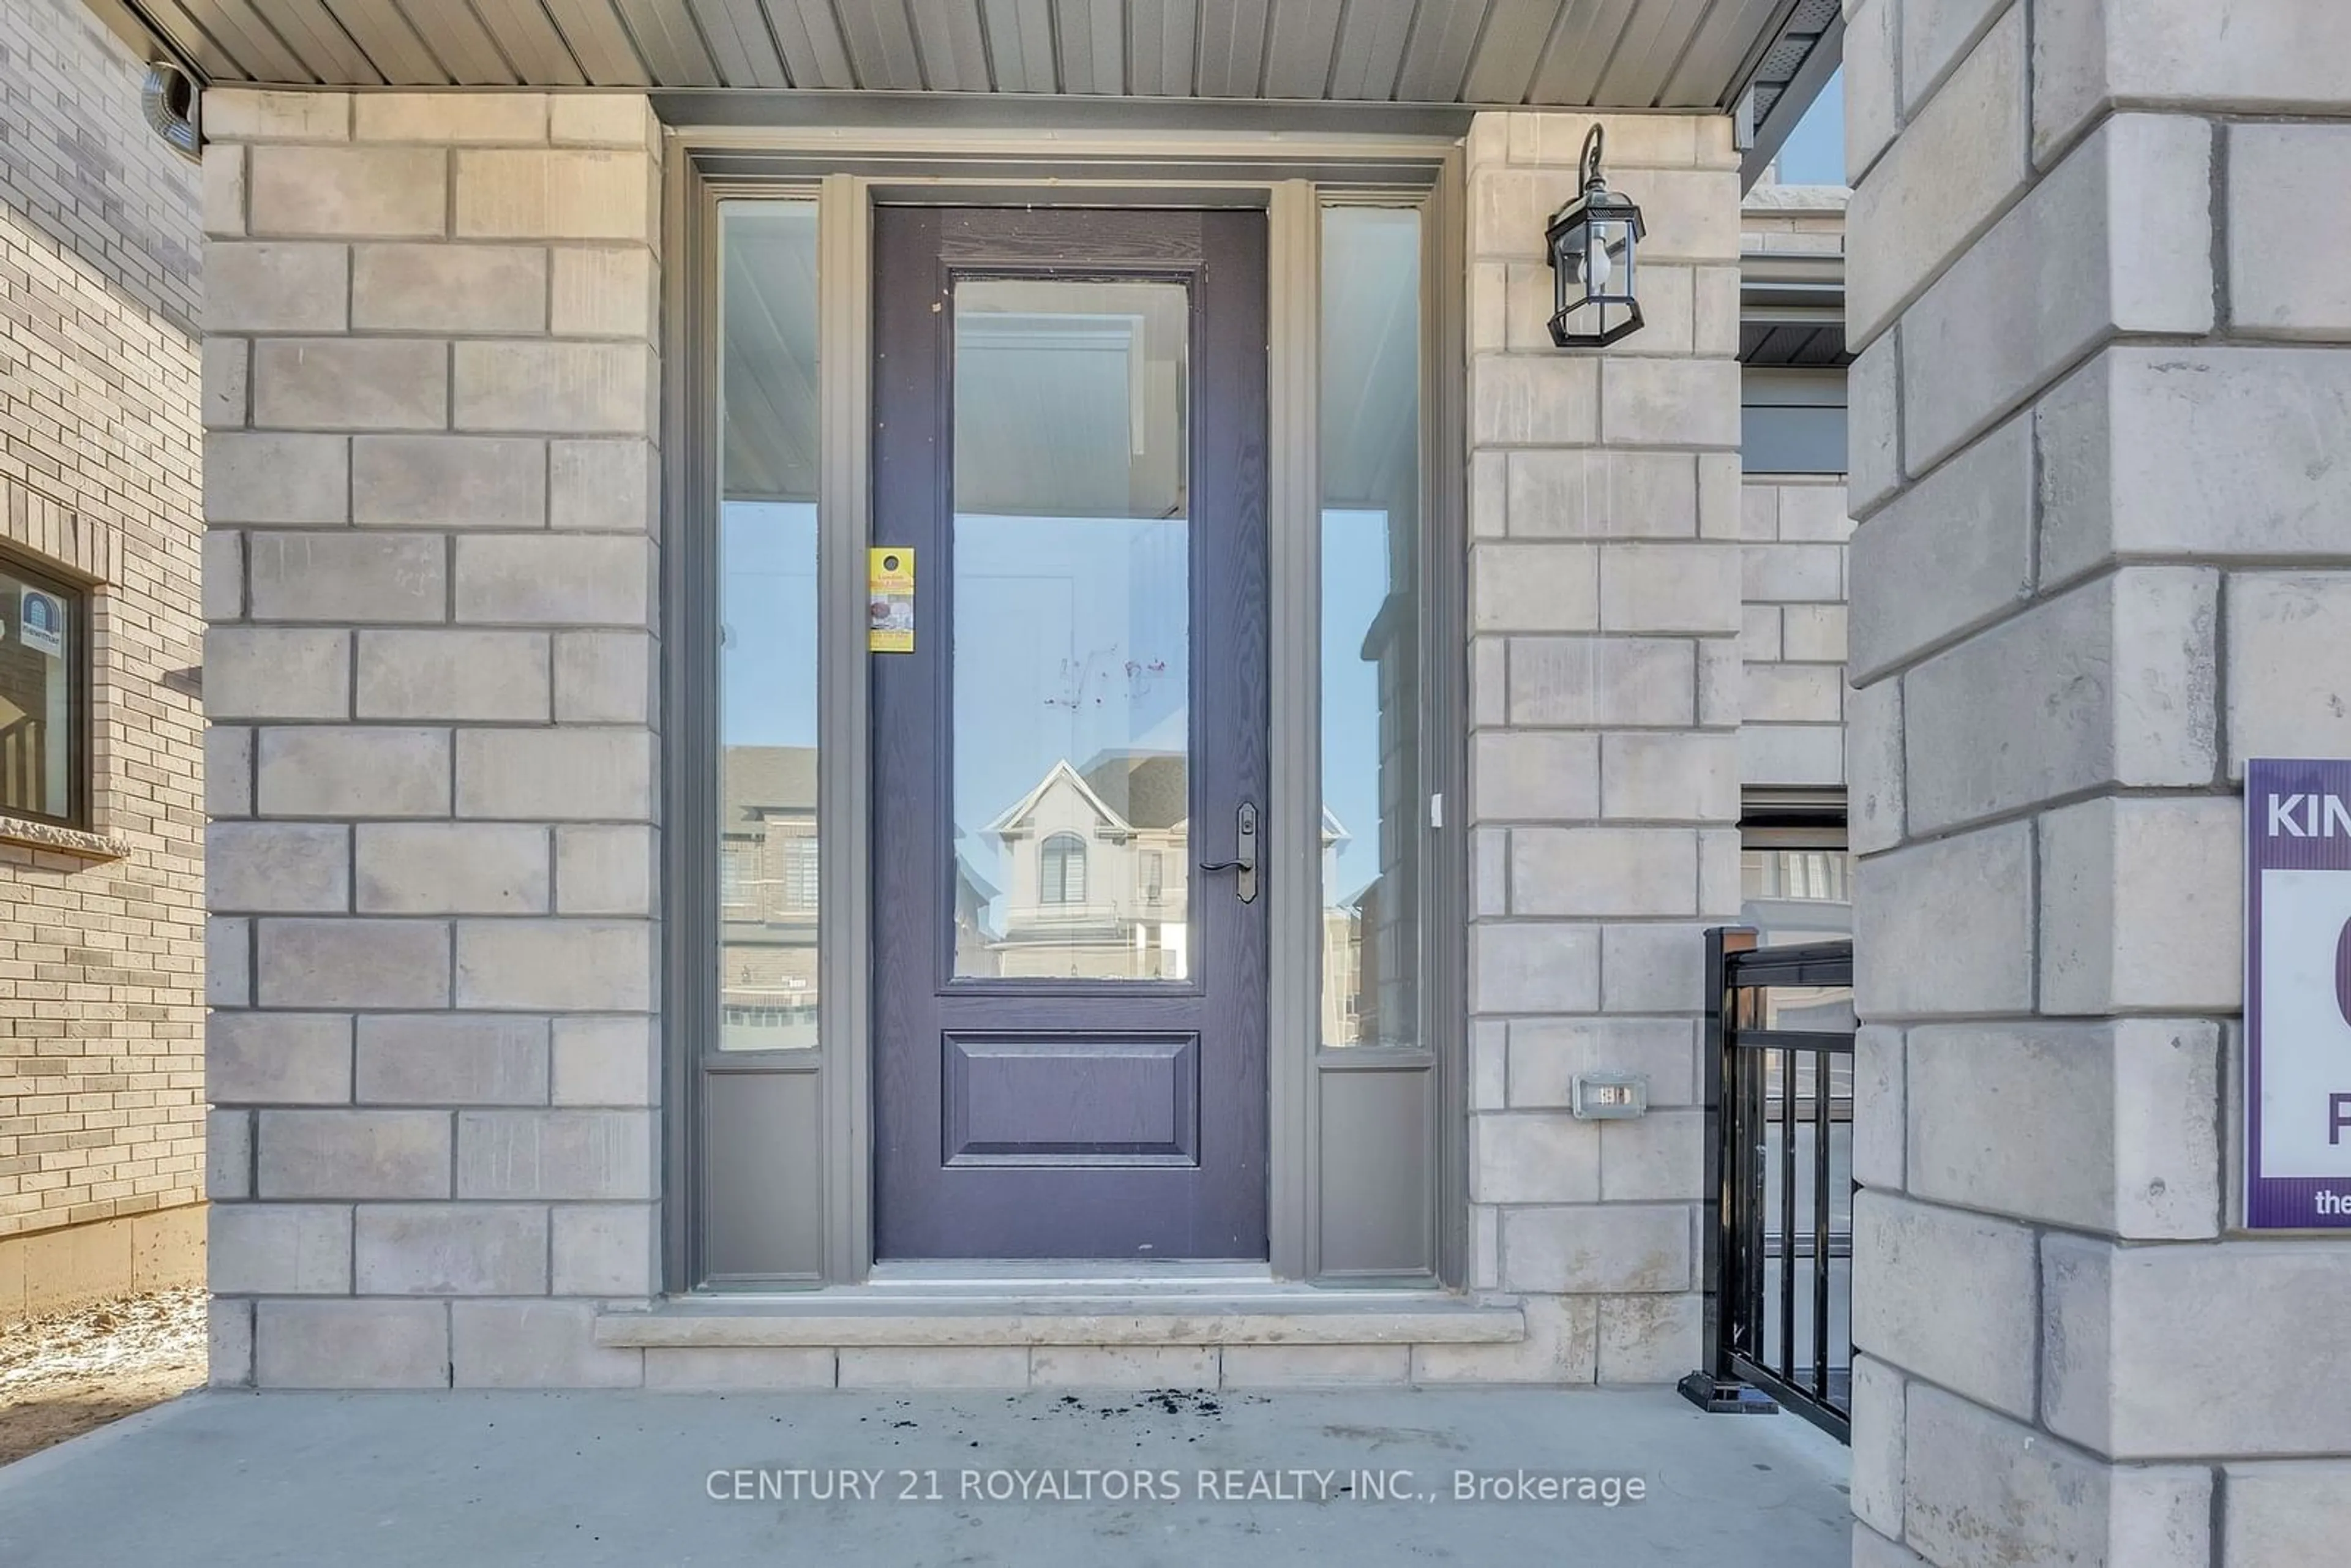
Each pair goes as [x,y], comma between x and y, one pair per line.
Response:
[1814,154]
[767,607]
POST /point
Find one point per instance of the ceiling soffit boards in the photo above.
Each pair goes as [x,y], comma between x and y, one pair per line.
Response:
[1618,54]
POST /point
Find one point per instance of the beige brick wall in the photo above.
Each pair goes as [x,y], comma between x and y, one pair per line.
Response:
[432,359]
[1605,617]
[100,948]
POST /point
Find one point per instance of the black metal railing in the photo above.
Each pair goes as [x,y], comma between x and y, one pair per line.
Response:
[1779,1266]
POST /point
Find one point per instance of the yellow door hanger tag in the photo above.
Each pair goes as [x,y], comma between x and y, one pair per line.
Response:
[890,600]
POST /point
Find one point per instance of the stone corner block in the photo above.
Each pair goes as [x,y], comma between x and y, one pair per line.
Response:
[2108,1126]
[1966,901]
[1980,1488]
[1948,1295]
[2144,1349]
[2142,905]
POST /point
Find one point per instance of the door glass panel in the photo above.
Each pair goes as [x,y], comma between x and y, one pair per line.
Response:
[766,640]
[1071,729]
[1372,790]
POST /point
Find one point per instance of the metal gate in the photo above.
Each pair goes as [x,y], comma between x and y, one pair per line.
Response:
[1779,1180]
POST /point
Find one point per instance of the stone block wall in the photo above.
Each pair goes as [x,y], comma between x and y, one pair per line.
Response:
[101,1117]
[2103,557]
[1791,728]
[1605,614]
[1792,722]
[431,386]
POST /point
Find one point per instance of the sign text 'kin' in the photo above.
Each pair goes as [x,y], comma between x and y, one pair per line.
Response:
[2297,994]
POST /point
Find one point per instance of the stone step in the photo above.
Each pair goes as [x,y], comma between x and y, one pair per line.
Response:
[862,1317]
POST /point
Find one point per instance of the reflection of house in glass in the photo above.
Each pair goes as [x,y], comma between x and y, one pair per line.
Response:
[768,898]
[1096,865]
[1796,892]
[1096,870]
[1350,966]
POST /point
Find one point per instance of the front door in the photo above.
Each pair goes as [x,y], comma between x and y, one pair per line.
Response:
[1070,759]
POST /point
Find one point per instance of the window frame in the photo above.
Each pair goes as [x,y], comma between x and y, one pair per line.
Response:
[1766,448]
[80,600]
[1797,821]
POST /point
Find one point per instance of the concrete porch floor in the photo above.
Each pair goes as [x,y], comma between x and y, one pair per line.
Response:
[620,1478]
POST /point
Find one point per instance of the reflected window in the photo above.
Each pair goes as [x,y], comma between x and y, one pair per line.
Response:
[42,625]
[800,874]
[1061,877]
[1795,882]
[734,881]
[1372,788]
[768,890]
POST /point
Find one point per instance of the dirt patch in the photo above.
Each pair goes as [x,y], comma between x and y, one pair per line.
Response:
[63,1374]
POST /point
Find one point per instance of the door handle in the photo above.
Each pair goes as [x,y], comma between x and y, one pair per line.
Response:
[1244,861]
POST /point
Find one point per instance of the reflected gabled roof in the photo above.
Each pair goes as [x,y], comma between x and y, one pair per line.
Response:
[1147,788]
[1011,819]
[754,780]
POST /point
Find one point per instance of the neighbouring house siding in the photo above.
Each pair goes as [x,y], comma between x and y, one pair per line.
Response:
[1604,618]
[431,589]
[101,959]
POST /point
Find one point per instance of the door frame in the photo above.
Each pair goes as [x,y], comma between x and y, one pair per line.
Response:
[847,172]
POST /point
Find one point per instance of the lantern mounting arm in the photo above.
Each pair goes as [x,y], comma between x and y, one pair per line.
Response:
[1596,142]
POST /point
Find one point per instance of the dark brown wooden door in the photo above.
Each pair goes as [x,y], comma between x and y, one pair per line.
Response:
[1068,964]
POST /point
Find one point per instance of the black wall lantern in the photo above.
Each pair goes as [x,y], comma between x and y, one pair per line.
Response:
[1591,242]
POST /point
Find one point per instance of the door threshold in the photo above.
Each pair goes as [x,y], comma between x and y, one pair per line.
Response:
[1058,1275]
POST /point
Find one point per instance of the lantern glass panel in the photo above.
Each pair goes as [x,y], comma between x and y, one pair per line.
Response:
[1616,244]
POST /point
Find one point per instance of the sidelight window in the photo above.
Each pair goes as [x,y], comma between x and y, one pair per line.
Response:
[1372,788]
[767,627]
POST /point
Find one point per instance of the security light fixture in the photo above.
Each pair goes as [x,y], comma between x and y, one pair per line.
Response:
[1591,243]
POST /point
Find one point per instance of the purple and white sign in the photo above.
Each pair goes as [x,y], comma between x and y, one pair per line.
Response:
[2297,994]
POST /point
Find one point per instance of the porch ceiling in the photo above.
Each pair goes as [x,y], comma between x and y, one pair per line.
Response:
[1627,54]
